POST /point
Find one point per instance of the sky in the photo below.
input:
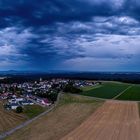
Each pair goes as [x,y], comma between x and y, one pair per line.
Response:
[70,35]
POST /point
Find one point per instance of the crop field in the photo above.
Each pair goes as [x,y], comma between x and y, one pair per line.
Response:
[68,115]
[9,119]
[112,121]
[107,90]
[87,88]
[33,110]
[132,94]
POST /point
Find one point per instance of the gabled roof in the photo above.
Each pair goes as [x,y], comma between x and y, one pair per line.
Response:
[46,100]
[14,104]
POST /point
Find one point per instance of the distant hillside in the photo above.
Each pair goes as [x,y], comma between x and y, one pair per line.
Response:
[20,76]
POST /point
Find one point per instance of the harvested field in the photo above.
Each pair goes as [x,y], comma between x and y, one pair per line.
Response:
[9,119]
[70,113]
[113,121]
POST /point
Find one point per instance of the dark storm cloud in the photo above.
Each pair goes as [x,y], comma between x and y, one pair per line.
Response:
[35,12]
[44,12]
[32,13]
[53,33]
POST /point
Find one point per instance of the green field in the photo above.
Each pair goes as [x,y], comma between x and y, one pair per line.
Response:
[132,94]
[33,110]
[87,88]
[107,90]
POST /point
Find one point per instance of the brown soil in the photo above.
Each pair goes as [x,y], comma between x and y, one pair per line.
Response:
[113,121]
[57,123]
[9,119]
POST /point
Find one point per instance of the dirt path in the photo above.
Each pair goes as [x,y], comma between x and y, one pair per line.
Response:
[113,121]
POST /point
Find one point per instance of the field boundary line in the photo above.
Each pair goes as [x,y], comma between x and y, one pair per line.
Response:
[105,99]
[122,92]
[94,88]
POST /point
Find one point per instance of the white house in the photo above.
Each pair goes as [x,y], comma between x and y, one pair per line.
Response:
[12,101]
[14,105]
[19,99]
[27,102]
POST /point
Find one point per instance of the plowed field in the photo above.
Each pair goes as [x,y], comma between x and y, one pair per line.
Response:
[113,121]
[9,119]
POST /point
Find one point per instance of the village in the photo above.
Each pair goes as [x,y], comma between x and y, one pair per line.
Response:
[41,92]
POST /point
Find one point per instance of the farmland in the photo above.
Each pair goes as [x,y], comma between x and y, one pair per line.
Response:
[132,94]
[87,88]
[33,110]
[113,90]
[107,90]
[79,108]
[9,119]
[69,114]
[112,121]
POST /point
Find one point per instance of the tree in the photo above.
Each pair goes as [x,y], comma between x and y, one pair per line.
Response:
[53,97]
[19,109]
[72,89]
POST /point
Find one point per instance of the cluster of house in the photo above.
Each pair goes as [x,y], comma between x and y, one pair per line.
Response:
[43,86]
[83,83]
[37,100]
[15,102]
[27,99]
[26,93]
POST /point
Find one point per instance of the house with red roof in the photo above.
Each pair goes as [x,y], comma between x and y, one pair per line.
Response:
[45,102]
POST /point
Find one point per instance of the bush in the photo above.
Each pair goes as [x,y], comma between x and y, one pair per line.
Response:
[19,109]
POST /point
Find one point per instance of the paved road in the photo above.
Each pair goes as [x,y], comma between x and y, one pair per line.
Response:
[2,136]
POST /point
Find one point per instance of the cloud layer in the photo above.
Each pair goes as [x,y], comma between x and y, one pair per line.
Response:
[85,35]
